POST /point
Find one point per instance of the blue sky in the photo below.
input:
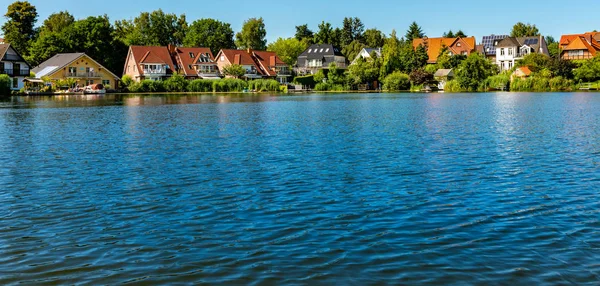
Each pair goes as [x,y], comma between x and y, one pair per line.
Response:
[435,16]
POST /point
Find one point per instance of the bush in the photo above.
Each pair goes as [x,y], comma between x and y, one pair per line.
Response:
[308,80]
[5,85]
[396,81]
[126,80]
[419,77]
[147,86]
[263,85]
[176,83]
[496,82]
[200,85]
[229,85]
[329,87]
[452,86]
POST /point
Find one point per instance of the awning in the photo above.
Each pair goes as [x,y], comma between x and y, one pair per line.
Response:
[36,80]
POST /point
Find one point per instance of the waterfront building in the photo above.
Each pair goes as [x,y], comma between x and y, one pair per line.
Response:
[443,76]
[579,46]
[488,46]
[159,63]
[318,57]
[512,49]
[257,64]
[78,66]
[13,65]
[366,54]
[456,46]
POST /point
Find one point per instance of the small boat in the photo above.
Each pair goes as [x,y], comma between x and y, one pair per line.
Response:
[94,89]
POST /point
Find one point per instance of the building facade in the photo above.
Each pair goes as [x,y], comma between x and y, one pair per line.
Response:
[511,49]
[13,65]
[318,57]
[580,46]
[256,64]
[456,46]
[78,66]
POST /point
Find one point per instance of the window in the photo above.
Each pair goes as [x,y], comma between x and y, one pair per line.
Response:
[510,65]
[309,50]
[105,82]
[464,53]
[321,51]
[192,55]
[189,66]
[495,43]
[327,50]
[510,52]
[458,44]
[89,82]
[15,82]
[222,58]
[502,51]
[72,70]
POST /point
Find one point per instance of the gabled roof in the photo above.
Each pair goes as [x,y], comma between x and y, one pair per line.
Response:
[4,49]
[589,37]
[371,50]
[152,55]
[444,73]
[239,57]
[185,59]
[318,51]
[268,61]
[585,41]
[523,70]
[59,61]
[533,42]
[490,42]
[435,45]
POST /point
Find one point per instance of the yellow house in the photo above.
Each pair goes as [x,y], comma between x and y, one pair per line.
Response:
[78,66]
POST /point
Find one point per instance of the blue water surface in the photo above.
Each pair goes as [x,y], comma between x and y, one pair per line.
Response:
[348,189]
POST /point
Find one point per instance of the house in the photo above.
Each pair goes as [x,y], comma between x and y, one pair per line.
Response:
[366,54]
[579,46]
[148,62]
[194,63]
[443,76]
[2,41]
[511,49]
[78,66]
[257,64]
[522,72]
[13,65]
[488,46]
[456,46]
[318,57]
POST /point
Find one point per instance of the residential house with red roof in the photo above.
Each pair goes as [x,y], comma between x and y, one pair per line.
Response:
[456,46]
[579,46]
[158,63]
[257,64]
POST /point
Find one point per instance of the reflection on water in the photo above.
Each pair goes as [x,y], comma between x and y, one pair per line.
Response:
[313,189]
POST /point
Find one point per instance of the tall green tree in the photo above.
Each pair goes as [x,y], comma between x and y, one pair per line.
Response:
[460,34]
[51,38]
[289,49]
[253,35]
[211,34]
[19,28]
[524,30]
[155,28]
[374,38]
[352,29]
[325,34]
[353,49]
[553,47]
[473,71]
[57,22]
[448,34]
[390,55]
[589,70]
[414,32]
[303,33]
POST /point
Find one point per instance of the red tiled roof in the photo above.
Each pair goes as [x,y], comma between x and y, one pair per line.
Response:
[587,41]
[434,45]
[268,60]
[525,70]
[152,55]
[239,57]
[184,59]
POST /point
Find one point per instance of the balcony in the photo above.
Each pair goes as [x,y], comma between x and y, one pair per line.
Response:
[83,74]
[208,73]
[11,72]
[155,71]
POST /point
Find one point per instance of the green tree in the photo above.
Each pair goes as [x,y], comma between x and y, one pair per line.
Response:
[288,50]
[589,70]
[4,85]
[448,34]
[364,70]
[210,33]
[524,30]
[234,70]
[396,81]
[390,55]
[374,38]
[473,71]
[57,22]
[460,34]
[553,47]
[353,49]
[303,33]
[535,62]
[19,28]
[325,34]
[414,32]
[352,30]
[51,38]
[253,35]
[156,28]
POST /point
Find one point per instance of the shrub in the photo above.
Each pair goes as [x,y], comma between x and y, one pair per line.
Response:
[229,85]
[126,80]
[308,80]
[176,83]
[419,77]
[452,86]
[4,84]
[329,87]
[200,85]
[497,81]
[396,81]
[263,85]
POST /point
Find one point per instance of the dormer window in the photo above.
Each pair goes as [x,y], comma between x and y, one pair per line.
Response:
[321,51]
[458,44]
[192,55]
[327,50]
[495,43]
[309,50]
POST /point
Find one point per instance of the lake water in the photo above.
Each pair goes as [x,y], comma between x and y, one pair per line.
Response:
[348,189]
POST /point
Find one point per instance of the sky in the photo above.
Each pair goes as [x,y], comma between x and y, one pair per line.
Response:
[475,18]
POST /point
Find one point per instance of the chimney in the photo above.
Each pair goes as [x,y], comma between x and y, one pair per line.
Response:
[249,50]
[272,61]
[171,49]
[237,59]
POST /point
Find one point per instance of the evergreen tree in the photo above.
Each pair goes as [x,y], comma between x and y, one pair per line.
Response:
[303,33]
[414,32]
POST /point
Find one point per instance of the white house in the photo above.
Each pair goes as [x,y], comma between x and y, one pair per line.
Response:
[13,65]
[511,49]
[366,54]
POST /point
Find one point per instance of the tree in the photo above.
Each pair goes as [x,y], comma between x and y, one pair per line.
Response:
[524,30]
[553,47]
[19,28]
[589,70]
[325,34]
[414,32]
[390,55]
[304,33]
[234,70]
[288,50]
[420,76]
[352,30]
[449,34]
[562,68]
[210,33]
[353,49]
[57,22]
[4,84]
[364,70]
[374,38]
[396,81]
[535,62]
[474,70]
[152,29]
[460,34]
[253,35]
